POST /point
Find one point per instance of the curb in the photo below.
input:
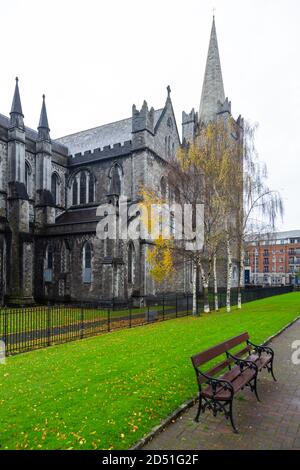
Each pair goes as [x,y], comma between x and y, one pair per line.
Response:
[188,404]
[160,427]
[280,331]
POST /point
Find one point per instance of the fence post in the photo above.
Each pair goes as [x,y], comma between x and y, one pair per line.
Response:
[187,304]
[163,300]
[49,323]
[108,319]
[130,312]
[176,306]
[148,313]
[81,322]
[5,329]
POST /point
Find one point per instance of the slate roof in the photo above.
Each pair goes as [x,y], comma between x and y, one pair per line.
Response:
[102,136]
[288,234]
[78,216]
[33,135]
[276,236]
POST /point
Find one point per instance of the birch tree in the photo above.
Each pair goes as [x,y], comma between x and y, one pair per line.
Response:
[260,207]
[199,173]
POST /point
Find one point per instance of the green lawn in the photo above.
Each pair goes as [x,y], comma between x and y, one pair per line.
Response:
[107,392]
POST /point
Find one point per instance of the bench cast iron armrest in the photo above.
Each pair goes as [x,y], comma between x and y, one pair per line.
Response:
[217,383]
[260,349]
[242,362]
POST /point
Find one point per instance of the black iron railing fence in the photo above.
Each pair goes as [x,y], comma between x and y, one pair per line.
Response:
[26,328]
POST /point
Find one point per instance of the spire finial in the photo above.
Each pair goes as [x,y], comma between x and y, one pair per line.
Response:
[169,90]
[214,12]
[43,127]
[16,107]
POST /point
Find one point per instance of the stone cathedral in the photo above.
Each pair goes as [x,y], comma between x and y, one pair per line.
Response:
[50,190]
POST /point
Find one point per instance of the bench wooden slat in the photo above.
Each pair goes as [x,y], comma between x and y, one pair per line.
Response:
[237,378]
[216,351]
[243,351]
[215,370]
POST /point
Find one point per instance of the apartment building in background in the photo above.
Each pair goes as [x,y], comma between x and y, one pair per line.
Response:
[273,259]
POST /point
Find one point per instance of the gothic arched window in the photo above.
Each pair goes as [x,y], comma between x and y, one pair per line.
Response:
[131,263]
[163,188]
[172,224]
[115,176]
[65,258]
[75,192]
[28,178]
[91,189]
[177,195]
[48,264]
[50,257]
[83,188]
[87,263]
[54,187]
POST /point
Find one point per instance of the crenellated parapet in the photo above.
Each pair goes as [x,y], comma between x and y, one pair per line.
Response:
[109,151]
[142,120]
[189,123]
[187,118]
[224,107]
[142,127]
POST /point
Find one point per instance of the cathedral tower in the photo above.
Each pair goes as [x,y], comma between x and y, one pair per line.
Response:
[45,211]
[20,242]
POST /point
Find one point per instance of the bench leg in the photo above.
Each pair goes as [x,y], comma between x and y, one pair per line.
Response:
[231,418]
[199,408]
[255,388]
[271,370]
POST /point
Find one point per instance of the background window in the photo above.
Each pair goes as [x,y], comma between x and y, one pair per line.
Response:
[48,264]
[54,188]
[75,193]
[87,263]
[82,188]
[28,178]
[131,261]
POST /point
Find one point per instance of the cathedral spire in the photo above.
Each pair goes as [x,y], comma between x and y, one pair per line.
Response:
[16,113]
[213,88]
[16,107]
[43,128]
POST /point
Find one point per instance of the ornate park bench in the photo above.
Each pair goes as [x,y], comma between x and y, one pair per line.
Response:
[216,392]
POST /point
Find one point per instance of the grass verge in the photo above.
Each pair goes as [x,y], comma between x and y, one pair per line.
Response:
[107,392]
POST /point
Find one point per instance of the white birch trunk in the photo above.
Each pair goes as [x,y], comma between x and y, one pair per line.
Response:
[229,276]
[215,282]
[241,273]
[205,289]
[194,289]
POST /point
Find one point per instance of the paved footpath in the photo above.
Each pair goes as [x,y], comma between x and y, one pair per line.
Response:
[274,423]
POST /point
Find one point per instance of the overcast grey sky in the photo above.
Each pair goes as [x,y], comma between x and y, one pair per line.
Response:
[93,59]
